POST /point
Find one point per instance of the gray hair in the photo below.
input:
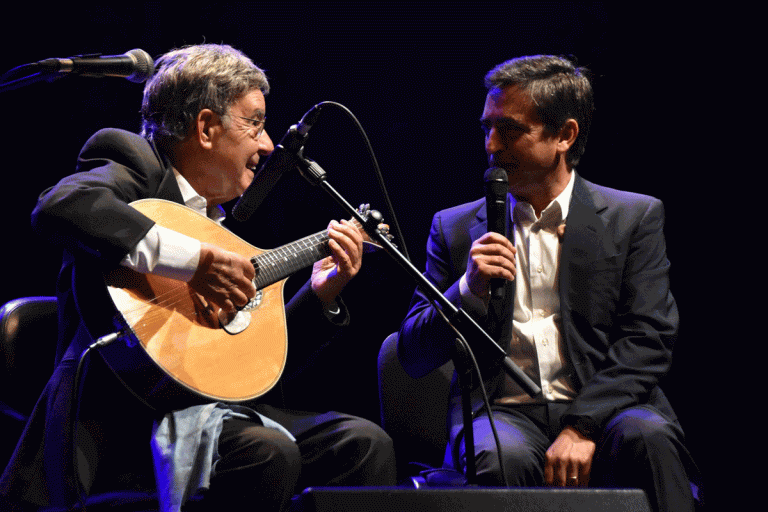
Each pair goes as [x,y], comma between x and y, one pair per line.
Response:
[191,79]
[558,88]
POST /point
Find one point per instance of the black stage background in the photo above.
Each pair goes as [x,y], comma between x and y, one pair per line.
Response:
[413,77]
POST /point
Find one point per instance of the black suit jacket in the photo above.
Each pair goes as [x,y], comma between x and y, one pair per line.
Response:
[619,319]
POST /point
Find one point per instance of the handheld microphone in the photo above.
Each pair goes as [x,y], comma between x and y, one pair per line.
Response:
[283,159]
[135,65]
[496,186]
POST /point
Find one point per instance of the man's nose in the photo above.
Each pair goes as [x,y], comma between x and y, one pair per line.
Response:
[266,146]
[492,144]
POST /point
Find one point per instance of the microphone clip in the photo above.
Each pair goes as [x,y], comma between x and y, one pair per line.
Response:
[310,170]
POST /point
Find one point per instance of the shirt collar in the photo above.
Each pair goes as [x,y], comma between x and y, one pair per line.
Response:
[195,201]
[552,216]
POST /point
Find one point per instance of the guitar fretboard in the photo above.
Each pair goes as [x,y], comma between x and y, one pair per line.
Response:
[277,264]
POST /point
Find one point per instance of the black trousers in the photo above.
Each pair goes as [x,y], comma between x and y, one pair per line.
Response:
[261,468]
[639,448]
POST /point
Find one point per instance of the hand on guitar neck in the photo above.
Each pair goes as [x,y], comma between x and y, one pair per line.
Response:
[225,278]
[331,274]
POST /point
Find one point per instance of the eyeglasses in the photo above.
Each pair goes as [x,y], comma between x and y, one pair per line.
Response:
[257,123]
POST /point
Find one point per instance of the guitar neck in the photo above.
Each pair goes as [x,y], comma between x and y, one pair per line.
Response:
[277,264]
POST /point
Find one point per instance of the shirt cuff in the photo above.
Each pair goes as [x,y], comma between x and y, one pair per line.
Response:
[164,252]
[470,302]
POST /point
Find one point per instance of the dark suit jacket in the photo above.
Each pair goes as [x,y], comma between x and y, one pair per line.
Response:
[619,320]
[88,215]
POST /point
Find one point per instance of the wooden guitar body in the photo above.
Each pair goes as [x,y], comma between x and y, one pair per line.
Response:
[174,351]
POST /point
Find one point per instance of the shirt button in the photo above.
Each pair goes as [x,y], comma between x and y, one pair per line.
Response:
[540,269]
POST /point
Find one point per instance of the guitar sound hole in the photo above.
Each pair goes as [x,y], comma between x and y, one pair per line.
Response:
[254,302]
[242,319]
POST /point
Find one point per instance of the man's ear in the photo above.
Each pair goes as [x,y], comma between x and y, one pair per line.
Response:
[567,135]
[207,124]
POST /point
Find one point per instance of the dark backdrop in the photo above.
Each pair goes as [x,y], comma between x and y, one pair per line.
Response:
[413,77]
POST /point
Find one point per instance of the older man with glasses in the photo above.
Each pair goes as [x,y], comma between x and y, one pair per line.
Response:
[202,136]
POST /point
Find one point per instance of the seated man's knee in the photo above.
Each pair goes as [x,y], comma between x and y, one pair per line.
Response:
[258,447]
[522,467]
[637,426]
[367,439]
[257,465]
[523,460]
[359,453]
[636,435]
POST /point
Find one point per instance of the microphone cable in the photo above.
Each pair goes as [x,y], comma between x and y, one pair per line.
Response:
[391,218]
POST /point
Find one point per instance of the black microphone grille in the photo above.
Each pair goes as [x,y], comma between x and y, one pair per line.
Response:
[496,182]
[496,174]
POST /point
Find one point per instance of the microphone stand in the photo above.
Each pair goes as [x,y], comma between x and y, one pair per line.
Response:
[457,317]
[470,329]
[462,361]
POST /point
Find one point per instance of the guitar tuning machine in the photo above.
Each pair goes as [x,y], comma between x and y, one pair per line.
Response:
[365,210]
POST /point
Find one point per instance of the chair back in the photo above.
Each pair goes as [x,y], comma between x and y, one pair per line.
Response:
[413,411]
[28,328]
[28,337]
[28,333]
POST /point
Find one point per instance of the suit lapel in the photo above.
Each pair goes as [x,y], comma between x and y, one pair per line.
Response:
[585,241]
[585,238]
[481,224]
[579,239]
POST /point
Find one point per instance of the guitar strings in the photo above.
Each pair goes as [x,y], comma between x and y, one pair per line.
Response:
[271,267]
[181,298]
[300,259]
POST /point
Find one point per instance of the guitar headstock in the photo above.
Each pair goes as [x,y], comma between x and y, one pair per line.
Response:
[370,245]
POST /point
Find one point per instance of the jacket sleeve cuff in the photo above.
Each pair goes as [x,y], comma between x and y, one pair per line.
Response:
[583,424]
